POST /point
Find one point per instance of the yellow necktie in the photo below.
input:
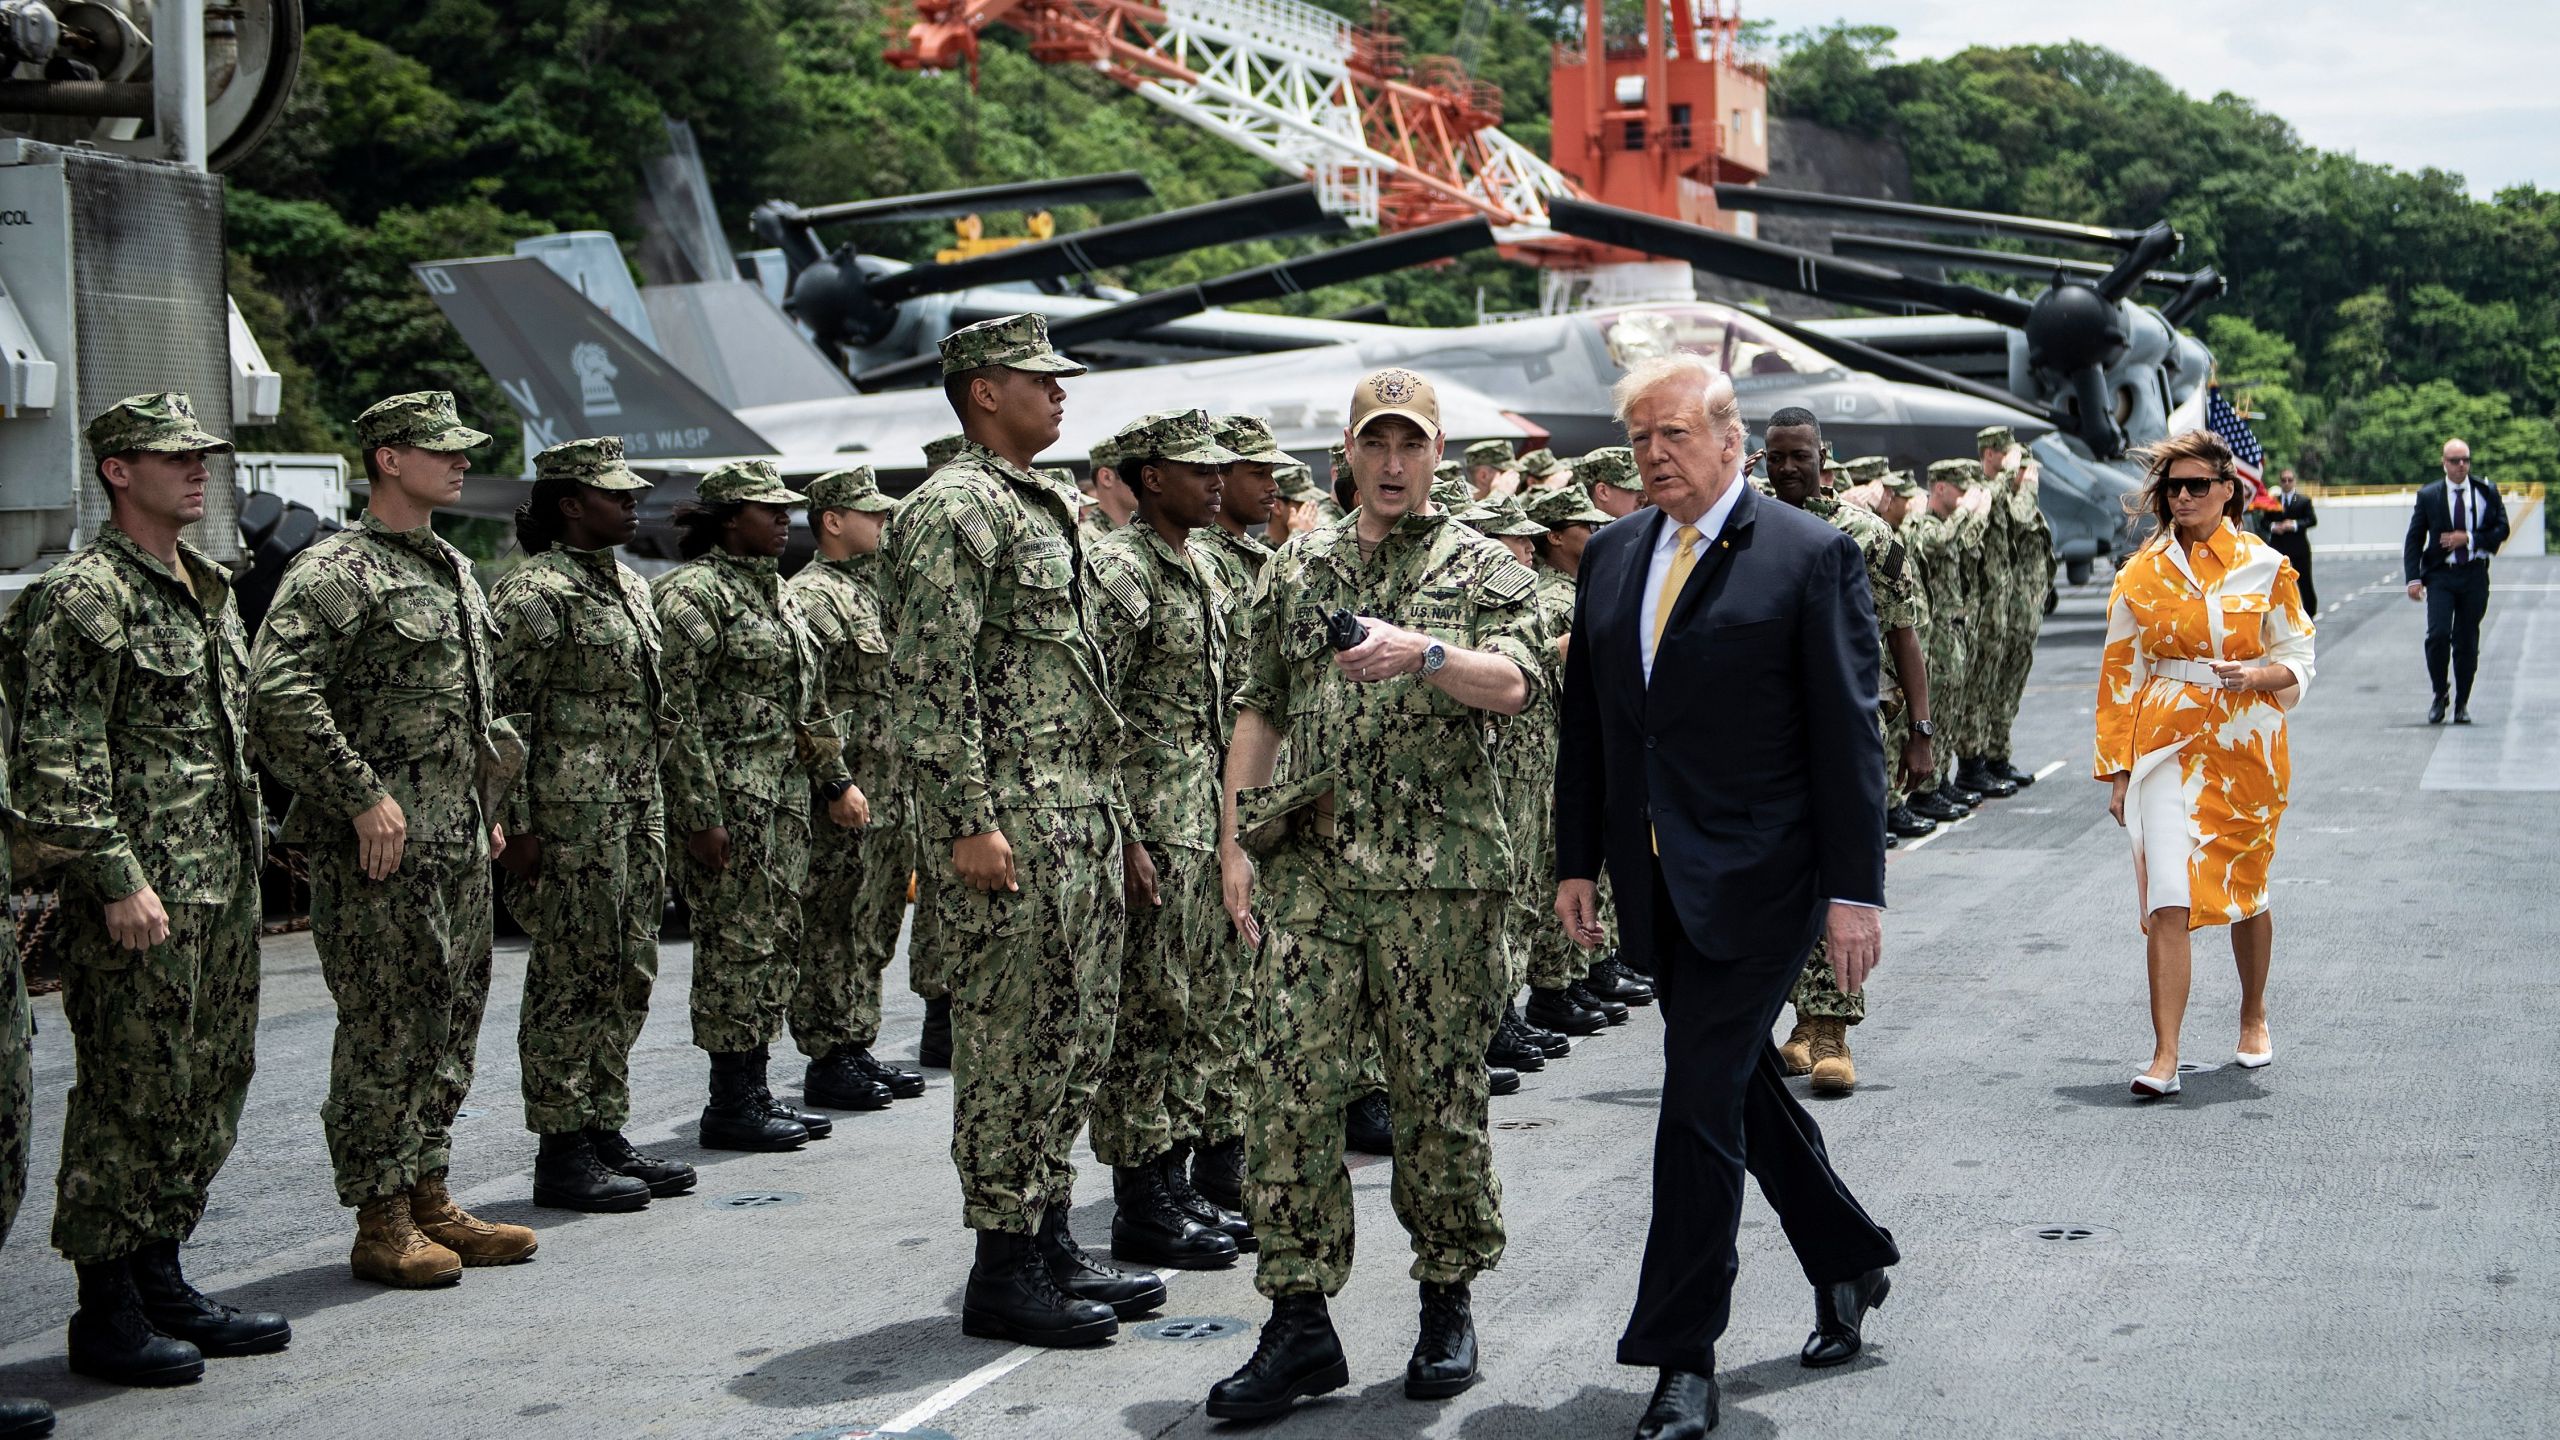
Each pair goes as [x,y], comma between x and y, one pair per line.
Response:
[1673,578]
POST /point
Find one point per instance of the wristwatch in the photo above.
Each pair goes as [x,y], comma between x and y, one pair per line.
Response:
[1924,729]
[833,790]
[1434,655]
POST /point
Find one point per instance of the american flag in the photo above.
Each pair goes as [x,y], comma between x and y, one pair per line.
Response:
[2222,420]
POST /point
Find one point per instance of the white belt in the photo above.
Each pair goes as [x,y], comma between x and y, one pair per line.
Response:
[2194,672]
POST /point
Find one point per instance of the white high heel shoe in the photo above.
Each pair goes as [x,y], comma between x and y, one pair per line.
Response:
[2146,1088]
[2255,1059]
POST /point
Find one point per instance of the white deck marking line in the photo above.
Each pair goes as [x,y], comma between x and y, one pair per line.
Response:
[2049,769]
[964,1387]
[1907,846]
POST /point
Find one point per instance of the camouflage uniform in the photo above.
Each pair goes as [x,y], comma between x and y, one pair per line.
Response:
[578,657]
[1970,542]
[1165,639]
[131,770]
[857,891]
[743,684]
[2027,572]
[928,958]
[17,1064]
[371,678]
[1385,872]
[1900,604]
[1553,960]
[1010,727]
[1936,550]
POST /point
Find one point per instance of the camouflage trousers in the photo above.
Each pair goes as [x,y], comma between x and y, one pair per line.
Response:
[1227,1082]
[1948,644]
[1540,952]
[1817,994]
[17,1078]
[746,926]
[928,957]
[1421,971]
[407,960]
[1177,981]
[2010,688]
[850,911]
[1896,718]
[1035,982]
[593,913]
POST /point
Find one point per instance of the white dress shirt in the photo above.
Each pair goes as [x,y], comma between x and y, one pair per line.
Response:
[1667,545]
[2463,506]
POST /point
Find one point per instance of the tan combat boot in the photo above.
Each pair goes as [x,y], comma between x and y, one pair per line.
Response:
[1834,1073]
[390,1250]
[477,1241]
[1796,1056]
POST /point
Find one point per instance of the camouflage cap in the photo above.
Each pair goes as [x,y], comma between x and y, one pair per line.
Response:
[1864,468]
[1496,453]
[1501,516]
[1394,391]
[1564,505]
[1452,492]
[1187,437]
[939,450]
[1340,457]
[1451,470]
[1833,469]
[1613,466]
[1057,475]
[1899,482]
[1103,455]
[852,488]
[1250,437]
[424,419]
[1540,463]
[1297,483]
[747,480]
[165,422]
[1963,474]
[1995,437]
[595,463]
[1016,342]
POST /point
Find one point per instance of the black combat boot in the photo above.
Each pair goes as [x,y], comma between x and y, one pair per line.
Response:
[1151,1230]
[1557,1010]
[836,1082]
[934,1051]
[1639,966]
[903,1084]
[1218,1174]
[1444,1358]
[818,1126]
[2011,773]
[1610,979]
[1551,1044]
[1902,820]
[1937,805]
[1369,1128]
[1512,1047]
[112,1339]
[663,1177]
[1129,1293]
[25,1419]
[1951,785]
[182,1312]
[569,1175]
[1610,1010]
[1012,1296]
[1975,775]
[1177,1184]
[1501,1080]
[741,1113]
[1298,1355]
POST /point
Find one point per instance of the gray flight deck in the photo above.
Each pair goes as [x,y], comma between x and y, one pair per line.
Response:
[2357,1241]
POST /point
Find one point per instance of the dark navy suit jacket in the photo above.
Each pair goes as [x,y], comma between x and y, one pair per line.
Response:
[1754,755]
[2422,555]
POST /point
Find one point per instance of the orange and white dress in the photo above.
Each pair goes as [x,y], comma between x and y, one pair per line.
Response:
[2210,769]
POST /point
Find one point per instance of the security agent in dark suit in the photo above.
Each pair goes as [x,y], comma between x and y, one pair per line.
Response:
[2288,531]
[1721,756]
[2457,524]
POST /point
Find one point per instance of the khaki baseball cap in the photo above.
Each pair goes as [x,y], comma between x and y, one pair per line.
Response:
[1395,391]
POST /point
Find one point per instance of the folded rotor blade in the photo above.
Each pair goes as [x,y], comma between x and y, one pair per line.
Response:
[1780,267]
[1902,215]
[1858,355]
[1289,210]
[978,199]
[2157,244]
[1963,257]
[2201,289]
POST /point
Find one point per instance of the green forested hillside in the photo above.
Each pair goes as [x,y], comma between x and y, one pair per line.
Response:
[2372,310]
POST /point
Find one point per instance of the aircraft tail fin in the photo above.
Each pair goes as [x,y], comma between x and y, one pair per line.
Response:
[570,371]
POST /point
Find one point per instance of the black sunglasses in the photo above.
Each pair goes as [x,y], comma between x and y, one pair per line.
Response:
[2189,484]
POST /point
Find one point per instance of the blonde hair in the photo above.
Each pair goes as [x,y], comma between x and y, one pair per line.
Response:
[1723,407]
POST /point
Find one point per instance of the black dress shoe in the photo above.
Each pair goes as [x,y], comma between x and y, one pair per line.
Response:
[1611,980]
[1610,1010]
[1501,1080]
[1176,1165]
[1444,1357]
[1217,1172]
[1012,1296]
[1839,1309]
[836,1081]
[569,1175]
[1683,1408]
[182,1312]
[1557,1010]
[663,1177]
[1512,1047]
[2011,773]
[1129,1293]
[25,1419]
[934,1051]
[2461,714]
[1902,821]
[1150,1229]
[2435,711]
[1369,1128]
[1297,1356]
[111,1339]
[903,1084]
